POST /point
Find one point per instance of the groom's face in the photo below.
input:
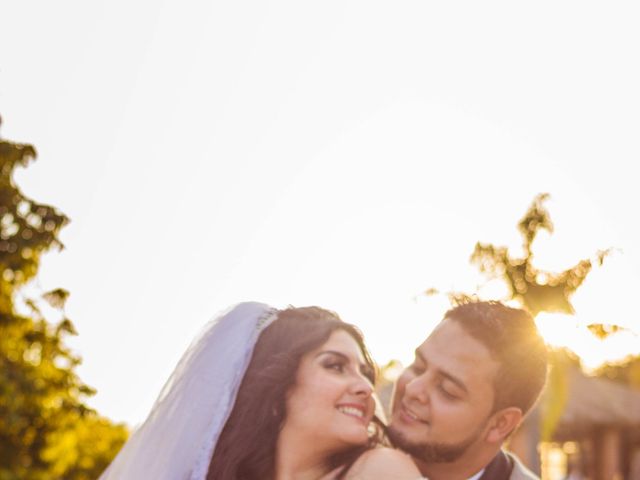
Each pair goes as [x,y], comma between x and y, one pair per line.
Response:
[442,402]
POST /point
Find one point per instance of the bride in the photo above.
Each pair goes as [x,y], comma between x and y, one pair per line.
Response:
[266,394]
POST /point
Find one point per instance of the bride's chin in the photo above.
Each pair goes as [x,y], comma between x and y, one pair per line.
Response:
[360,438]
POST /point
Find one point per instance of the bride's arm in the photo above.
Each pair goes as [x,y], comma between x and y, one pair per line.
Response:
[384,464]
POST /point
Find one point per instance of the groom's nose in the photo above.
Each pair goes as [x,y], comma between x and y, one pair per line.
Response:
[417,388]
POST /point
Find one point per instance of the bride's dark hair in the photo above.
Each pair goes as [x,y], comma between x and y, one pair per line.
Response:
[246,447]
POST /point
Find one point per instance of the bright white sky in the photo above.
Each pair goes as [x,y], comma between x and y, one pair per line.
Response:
[345,154]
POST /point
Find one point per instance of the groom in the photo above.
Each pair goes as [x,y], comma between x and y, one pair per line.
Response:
[472,381]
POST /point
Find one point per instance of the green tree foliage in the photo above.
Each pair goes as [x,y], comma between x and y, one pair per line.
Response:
[541,291]
[46,430]
[557,393]
[537,290]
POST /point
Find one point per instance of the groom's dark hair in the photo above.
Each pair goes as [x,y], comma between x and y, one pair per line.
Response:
[512,338]
[246,448]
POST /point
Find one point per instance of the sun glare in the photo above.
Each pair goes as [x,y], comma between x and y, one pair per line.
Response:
[567,331]
[606,297]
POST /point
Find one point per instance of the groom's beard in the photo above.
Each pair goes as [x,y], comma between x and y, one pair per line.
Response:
[431,452]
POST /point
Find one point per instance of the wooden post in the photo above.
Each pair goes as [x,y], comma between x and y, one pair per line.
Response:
[609,454]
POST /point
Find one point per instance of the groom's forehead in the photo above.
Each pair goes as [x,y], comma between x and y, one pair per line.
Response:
[450,342]
[446,329]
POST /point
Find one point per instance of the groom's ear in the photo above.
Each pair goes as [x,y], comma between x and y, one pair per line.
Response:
[502,423]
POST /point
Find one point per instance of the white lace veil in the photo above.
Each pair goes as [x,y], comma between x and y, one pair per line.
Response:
[177,439]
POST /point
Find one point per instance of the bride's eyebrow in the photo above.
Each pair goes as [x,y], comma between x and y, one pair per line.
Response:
[333,352]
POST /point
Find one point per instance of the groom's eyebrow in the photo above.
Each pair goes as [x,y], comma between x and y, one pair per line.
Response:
[443,373]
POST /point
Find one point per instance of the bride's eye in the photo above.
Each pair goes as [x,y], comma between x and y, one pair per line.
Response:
[369,373]
[338,366]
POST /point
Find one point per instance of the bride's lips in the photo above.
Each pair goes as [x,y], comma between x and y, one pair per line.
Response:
[355,410]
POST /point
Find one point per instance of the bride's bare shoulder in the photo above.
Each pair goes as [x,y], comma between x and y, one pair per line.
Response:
[384,463]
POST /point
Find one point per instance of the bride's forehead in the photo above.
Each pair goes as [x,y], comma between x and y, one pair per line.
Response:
[341,341]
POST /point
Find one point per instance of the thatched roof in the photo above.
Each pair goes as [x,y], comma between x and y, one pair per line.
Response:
[597,402]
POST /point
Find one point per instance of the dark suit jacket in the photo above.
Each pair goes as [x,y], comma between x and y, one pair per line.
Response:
[506,466]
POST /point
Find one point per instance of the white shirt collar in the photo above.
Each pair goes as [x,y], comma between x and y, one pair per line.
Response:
[477,475]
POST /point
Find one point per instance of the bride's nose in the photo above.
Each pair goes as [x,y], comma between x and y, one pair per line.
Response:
[361,386]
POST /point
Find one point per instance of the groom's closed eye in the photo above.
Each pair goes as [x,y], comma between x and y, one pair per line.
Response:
[448,390]
[451,386]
